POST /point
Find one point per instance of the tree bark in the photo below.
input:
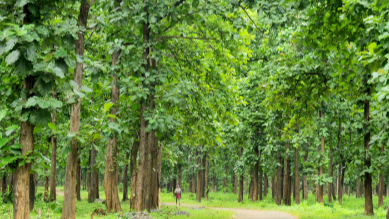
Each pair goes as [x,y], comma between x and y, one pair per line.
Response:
[287,192]
[381,184]
[46,191]
[279,181]
[32,191]
[296,176]
[93,173]
[213,176]
[320,191]
[265,185]
[111,166]
[193,181]
[125,178]
[189,176]
[358,188]
[53,191]
[225,172]
[260,184]
[330,174]
[241,178]
[305,177]
[256,170]
[206,176]
[4,185]
[22,179]
[69,203]
[199,174]
[133,170]
[341,183]
[368,176]
[78,176]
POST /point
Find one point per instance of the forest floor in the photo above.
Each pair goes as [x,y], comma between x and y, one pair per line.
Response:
[219,206]
[246,213]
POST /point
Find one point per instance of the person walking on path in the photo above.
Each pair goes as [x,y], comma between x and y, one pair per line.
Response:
[178,192]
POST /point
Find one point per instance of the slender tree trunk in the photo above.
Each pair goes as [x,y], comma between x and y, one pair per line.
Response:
[53,193]
[213,176]
[251,188]
[159,173]
[125,178]
[305,178]
[330,174]
[189,175]
[78,176]
[273,187]
[203,175]
[381,184]
[206,177]
[279,181]
[235,184]
[368,176]
[341,183]
[358,188]
[265,185]
[180,174]
[46,191]
[193,181]
[256,170]
[320,193]
[69,203]
[241,178]
[92,180]
[111,166]
[199,174]
[260,184]
[296,176]
[4,185]
[225,172]
[247,184]
[287,192]
[133,171]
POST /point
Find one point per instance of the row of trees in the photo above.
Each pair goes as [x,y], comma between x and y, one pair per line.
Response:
[184,85]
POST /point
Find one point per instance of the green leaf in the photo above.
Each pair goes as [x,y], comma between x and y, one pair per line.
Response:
[20,3]
[86,89]
[52,126]
[3,113]
[11,129]
[3,141]
[107,106]
[8,46]
[73,84]
[383,36]
[23,67]
[32,101]
[12,57]
[371,47]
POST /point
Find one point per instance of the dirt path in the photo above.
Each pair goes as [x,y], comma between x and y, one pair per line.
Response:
[248,213]
[59,192]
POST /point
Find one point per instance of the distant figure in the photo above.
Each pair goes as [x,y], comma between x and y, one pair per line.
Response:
[177,192]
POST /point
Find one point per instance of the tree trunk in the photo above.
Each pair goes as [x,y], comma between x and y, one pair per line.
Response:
[235,184]
[159,173]
[203,175]
[189,175]
[381,184]
[260,184]
[296,177]
[69,203]
[213,176]
[199,174]
[78,176]
[273,187]
[21,202]
[46,191]
[193,181]
[341,183]
[241,178]
[4,185]
[305,178]
[111,166]
[358,188]
[53,192]
[225,172]
[320,192]
[265,185]
[92,180]
[279,181]
[330,174]
[133,171]
[256,170]
[125,178]
[251,187]
[180,174]
[32,191]
[368,176]
[247,184]
[206,177]
[287,192]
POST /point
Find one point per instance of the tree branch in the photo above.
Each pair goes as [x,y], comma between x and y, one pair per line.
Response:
[181,37]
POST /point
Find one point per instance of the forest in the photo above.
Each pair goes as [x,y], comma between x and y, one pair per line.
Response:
[251,107]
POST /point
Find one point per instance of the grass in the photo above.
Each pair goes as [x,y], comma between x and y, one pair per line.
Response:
[351,208]
[84,209]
